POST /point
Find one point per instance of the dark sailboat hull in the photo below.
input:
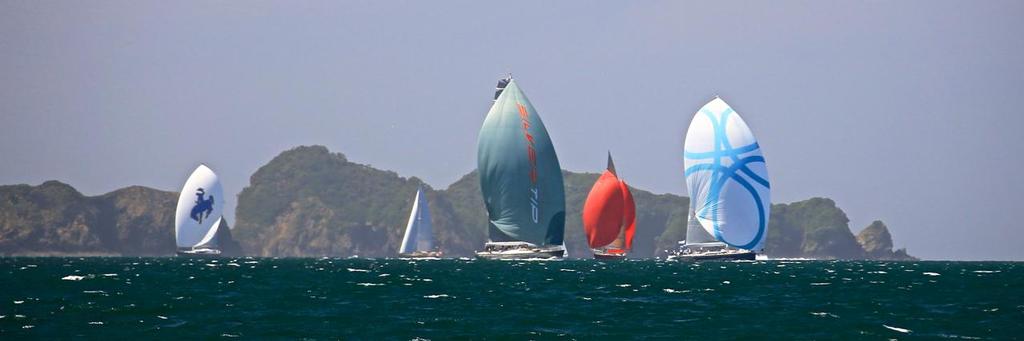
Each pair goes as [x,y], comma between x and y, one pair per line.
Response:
[609,256]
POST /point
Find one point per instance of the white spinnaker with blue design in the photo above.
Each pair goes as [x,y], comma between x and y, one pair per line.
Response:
[419,235]
[200,208]
[726,177]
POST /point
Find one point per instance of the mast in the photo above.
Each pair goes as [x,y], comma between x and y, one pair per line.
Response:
[502,83]
[611,165]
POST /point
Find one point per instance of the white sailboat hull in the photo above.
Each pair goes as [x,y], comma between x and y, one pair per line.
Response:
[714,256]
[521,251]
[199,253]
[421,255]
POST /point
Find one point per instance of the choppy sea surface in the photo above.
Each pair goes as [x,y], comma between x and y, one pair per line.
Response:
[257,298]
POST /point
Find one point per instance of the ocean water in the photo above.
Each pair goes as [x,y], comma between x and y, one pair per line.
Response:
[164,298]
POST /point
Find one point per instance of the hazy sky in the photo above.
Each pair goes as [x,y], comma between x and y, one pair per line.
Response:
[904,111]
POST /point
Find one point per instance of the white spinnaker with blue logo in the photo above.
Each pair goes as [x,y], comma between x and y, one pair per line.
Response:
[200,207]
[726,177]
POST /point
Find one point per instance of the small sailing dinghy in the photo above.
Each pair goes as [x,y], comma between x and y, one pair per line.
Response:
[727,180]
[521,181]
[199,215]
[609,216]
[419,234]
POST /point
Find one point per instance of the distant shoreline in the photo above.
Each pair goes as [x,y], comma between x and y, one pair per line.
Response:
[115,255]
[311,202]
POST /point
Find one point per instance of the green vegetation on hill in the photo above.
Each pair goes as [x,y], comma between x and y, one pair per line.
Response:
[54,218]
[49,217]
[464,196]
[310,202]
[813,228]
[816,228]
[655,213]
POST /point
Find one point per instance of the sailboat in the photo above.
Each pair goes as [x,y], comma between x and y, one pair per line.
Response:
[609,216]
[520,179]
[419,233]
[199,215]
[727,180]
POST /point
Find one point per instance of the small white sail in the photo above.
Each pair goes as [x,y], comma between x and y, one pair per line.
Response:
[210,239]
[726,177]
[419,235]
[200,207]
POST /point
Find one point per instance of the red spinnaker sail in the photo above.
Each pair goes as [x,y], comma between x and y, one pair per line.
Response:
[628,214]
[603,211]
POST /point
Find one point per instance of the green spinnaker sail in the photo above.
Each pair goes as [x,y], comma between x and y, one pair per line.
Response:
[520,177]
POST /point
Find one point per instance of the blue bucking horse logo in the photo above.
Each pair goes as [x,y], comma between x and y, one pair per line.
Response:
[203,207]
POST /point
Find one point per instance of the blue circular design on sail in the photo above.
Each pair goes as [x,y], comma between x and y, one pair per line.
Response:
[721,174]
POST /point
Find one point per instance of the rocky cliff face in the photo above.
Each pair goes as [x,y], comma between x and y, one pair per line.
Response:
[54,218]
[877,243]
[141,220]
[813,228]
[817,228]
[875,239]
[309,202]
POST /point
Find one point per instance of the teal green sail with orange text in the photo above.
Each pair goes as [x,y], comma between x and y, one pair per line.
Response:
[520,177]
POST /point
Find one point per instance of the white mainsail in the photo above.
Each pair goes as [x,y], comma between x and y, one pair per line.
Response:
[726,177]
[210,239]
[695,233]
[419,235]
[200,208]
